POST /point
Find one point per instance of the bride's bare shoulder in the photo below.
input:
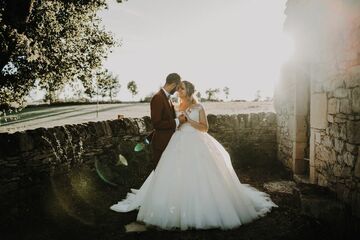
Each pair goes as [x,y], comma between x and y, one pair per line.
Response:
[199,106]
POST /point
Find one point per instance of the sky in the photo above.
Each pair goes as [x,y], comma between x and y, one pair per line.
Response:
[212,43]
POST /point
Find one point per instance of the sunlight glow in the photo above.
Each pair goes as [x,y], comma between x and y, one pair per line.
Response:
[286,48]
[236,43]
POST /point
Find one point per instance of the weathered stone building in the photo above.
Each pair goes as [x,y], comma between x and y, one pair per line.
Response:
[318,97]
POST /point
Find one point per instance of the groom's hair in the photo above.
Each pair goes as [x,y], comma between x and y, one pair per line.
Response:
[173,78]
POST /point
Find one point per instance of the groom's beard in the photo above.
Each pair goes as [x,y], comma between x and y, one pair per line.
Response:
[173,91]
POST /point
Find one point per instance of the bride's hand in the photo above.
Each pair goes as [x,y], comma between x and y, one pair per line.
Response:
[186,115]
[182,118]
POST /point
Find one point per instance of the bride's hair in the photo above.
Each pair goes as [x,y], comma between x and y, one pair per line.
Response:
[190,89]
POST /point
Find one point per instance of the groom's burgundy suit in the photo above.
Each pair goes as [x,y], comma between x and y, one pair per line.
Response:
[163,120]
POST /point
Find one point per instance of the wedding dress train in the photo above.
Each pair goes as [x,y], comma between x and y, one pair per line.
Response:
[195,186]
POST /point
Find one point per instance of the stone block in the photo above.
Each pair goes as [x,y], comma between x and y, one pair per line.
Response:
[345,106]
[318,111]
[354,117]
[254,119]
[354,79]
[355,104]
[337,170]
[327,141]
[322,181]
[333,156]
[334,83]
[333,130]
[342,134]
[349,159]
[141,126]
[346,172]
[330,118]
[341,93]
[339,145]
[353,132]
[333,106]
[280,186]
[340,118]
[107,128]
[351,148]
[323,153]
[338,130]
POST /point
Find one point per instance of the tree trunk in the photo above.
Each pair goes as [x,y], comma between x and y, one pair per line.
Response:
[17,13]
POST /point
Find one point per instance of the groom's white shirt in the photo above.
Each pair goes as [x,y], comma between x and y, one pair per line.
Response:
[168,96]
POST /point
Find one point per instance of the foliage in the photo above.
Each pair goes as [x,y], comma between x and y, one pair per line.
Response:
[211,94]
[132,87]
[108,85]
[198,95]
[257,96]
[226,91]
[148,97]
[63,41]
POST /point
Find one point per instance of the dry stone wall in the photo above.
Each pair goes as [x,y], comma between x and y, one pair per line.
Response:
[31,157]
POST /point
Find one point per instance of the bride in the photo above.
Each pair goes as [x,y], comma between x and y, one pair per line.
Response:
[194,184]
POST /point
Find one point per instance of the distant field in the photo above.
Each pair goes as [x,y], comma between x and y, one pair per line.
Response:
[31,118]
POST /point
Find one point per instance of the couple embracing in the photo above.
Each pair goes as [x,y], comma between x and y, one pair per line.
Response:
[193,184]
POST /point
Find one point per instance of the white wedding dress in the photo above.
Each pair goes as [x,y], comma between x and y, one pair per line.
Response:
[195,186]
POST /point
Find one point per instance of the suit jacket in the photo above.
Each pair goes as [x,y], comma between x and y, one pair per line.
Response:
[163,120]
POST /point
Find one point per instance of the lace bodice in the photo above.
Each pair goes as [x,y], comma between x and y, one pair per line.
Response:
[193,113]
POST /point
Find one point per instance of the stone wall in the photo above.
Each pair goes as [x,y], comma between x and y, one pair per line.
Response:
[284,106]
[324,75]
[31,157]
[249,138]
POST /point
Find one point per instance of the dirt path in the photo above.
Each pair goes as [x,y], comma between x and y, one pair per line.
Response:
[68,214]
[31,118]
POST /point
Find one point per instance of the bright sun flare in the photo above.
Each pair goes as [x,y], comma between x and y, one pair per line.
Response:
[243,47]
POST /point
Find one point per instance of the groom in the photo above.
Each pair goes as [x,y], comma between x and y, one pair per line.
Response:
[163,116]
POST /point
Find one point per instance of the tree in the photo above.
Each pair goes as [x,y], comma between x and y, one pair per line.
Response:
[78,89]
[257,96]
[198,96]
[226,91]
[108,85]
[211,94]
[148,97]
[132,87]
[60,41]
[268,99]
